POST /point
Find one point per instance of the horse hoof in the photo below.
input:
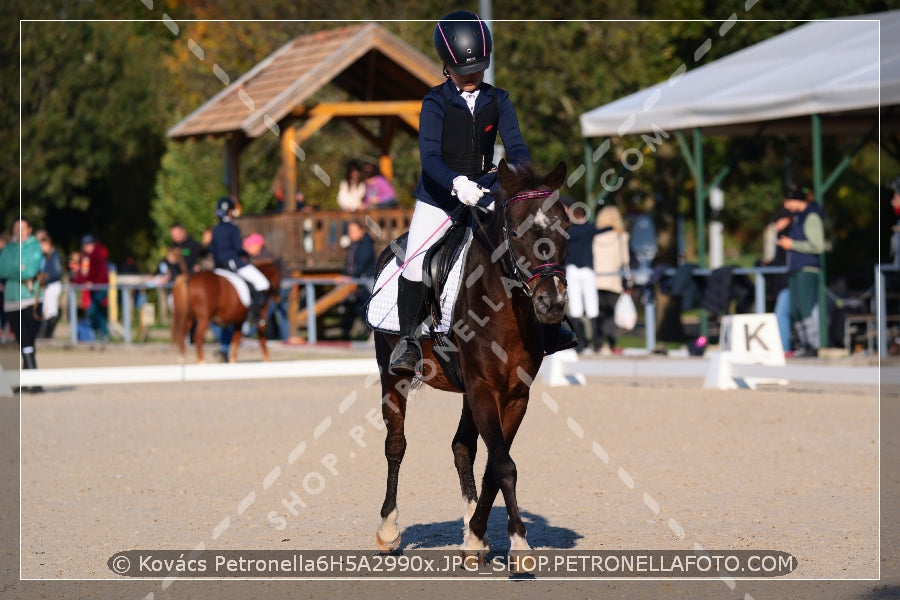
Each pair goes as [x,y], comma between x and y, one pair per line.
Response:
[472,562]
[520,561]
[387,546]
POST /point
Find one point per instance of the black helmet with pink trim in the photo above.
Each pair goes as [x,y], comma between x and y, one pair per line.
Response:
[463,42]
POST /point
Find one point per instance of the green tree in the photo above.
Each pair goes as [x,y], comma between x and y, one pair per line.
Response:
[92,129]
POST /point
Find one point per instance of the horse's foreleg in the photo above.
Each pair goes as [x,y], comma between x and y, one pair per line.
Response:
[498,432]
[464,448]
[261,332]
[393,411]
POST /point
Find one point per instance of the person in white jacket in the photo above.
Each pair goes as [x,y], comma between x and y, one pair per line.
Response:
[611,266]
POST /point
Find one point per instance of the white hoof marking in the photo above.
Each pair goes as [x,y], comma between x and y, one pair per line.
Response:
[388,531]
[518,543]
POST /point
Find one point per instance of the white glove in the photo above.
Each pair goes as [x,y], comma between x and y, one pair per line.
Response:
[468,192]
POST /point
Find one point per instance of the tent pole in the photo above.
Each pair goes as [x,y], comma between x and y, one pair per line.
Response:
[590,173]
[819,191]
[700,207]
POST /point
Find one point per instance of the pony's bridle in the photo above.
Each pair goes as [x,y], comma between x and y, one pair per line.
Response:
[530,279]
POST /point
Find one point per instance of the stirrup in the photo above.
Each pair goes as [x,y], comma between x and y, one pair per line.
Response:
[406,358]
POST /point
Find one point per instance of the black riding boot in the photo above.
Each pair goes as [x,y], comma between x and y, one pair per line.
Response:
[557,337]
[51,327]
[580,335]
[254,311]
[407,355]
[28,362]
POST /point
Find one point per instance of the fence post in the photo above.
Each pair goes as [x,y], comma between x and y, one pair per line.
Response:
[73,315]
[126,313]
[881,311]
[311,313]
[759,283]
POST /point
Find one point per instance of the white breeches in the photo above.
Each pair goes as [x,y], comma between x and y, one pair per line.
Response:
[251,275]
[582,286]
[51,299]
[426,227]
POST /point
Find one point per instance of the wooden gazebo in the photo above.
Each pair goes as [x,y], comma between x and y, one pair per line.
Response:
[386,77]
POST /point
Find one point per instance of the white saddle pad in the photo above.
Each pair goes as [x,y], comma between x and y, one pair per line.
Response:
[382,313]
[240,286]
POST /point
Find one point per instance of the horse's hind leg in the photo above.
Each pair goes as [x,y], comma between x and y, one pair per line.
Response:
[200,336]
[393,410]
[465,445]
[235,344]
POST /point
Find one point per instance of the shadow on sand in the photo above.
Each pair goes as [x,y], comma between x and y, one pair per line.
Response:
[450,533]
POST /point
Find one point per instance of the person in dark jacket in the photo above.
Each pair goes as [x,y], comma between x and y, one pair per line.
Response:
[228,253]
[51,282]
[778,284]
[583,299]
[804,242]
[360,264]
[458,125]
[190,248]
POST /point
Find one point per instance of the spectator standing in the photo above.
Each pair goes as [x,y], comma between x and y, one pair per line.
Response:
[360,264]
[20,263]
[5,334]
[379,191]
[580,269]
[895,230]
[611,264]
[276,315]
[51,282]
[804,241]
[778,283]
[352,189]
[94,270]
[190,248]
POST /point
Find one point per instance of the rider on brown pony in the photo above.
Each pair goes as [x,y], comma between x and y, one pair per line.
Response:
[226,248]
[459,123]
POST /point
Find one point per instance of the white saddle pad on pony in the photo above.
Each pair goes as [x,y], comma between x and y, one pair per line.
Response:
[240,286]
[382,313]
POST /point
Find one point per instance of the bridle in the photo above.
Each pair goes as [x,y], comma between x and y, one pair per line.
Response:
[529,279]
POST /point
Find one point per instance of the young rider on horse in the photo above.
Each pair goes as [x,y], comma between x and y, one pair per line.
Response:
[226,248]
[458,125]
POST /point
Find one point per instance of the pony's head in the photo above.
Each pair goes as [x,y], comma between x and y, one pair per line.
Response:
[535,225]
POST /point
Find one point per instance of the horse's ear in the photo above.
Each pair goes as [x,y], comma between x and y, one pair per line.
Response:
[557,177]
[505,175]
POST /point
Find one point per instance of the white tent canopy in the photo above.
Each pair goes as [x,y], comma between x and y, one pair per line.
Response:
[822,67]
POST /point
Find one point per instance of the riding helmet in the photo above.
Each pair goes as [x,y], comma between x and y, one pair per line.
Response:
[223,206]
[463,42]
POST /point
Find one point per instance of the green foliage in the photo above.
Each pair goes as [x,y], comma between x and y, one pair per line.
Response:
[97,98]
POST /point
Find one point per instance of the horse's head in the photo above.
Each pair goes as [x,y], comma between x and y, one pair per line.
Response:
[534,224]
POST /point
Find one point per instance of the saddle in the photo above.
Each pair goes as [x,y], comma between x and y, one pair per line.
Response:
[438,263]
[239,283]
[441,275]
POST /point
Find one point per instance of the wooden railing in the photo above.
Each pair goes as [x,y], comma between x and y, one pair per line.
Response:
[309,241]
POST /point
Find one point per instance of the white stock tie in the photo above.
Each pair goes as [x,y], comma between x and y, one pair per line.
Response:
[470,97]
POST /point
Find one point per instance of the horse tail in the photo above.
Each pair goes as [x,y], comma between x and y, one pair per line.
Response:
[181,312]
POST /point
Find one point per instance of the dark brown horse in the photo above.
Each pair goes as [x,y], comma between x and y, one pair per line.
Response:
[514,283]
[204,297]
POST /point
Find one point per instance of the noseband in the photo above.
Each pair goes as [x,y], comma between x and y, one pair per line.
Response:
[531,279]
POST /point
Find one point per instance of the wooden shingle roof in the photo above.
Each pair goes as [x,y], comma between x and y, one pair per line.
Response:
[366,60]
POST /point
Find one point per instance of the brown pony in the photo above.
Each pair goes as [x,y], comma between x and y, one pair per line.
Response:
[514,282]
[205,297]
